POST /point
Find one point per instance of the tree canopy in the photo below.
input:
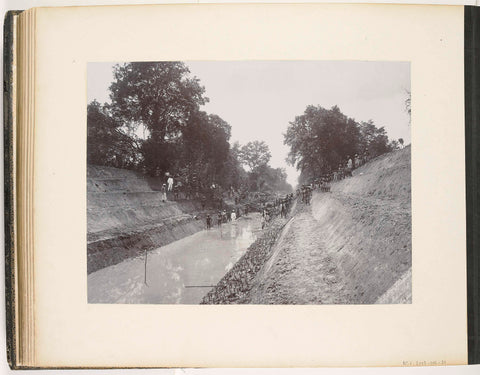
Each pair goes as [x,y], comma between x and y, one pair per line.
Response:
[108,144]
[154,124]
[158,95]
[255,154]
[320,139]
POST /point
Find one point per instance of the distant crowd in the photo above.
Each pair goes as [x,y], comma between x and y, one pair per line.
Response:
[278,206]
[322,183]
[176,187]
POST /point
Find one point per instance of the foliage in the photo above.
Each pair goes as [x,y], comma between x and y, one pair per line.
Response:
[268,179]
[320,139]
[164,101]
[108,144]
[393,145]
[205,144]
[158,95]
[374,139]
[408,102]
[255,154]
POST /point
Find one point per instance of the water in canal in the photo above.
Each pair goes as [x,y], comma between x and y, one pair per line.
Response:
[179,273]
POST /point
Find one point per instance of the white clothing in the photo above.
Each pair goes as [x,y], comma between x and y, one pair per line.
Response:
[170,183]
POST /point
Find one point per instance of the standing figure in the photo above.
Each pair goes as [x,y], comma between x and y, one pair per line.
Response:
[164,193]
[209,221]
[357,161]
[170,183]
[366,156]
[219,219]
[340,172]
[349,166]
[224,216]
[233,216]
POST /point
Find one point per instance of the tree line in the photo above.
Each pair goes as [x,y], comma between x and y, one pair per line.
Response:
[154,124]
[322,139]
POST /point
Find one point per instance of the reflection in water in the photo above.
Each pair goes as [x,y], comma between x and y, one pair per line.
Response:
[181,272]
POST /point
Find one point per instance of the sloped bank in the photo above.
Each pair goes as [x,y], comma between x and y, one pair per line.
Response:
[110,251]
[234,287]
[350,246]
[126,216]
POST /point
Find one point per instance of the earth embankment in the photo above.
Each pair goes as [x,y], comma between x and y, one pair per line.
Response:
[126,215]
[350,246]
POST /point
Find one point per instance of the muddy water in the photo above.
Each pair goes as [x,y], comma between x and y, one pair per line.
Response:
[179,273]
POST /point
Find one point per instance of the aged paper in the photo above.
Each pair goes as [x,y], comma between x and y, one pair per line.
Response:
[431,330]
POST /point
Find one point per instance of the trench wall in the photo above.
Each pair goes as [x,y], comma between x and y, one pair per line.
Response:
[126,216]
[234,287]
[365,227]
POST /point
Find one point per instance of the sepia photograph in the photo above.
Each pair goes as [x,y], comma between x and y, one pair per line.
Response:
[249,182]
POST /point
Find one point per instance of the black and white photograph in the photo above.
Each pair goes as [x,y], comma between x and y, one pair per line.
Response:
[249,182]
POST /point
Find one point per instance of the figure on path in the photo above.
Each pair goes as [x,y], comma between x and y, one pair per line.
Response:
[349,166]
[209,221]
[164,193]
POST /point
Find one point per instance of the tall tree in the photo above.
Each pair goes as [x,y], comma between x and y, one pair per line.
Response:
[320,139]
[206,151]
[255,154]
[373,138]
[107,143]
[408,103]
[161,97]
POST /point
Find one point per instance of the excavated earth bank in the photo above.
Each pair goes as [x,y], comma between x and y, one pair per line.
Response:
[126,215]
[350,246]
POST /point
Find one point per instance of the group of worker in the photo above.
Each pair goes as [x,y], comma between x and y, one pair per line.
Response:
[224,216]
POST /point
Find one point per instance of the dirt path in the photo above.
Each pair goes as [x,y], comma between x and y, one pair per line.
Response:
[301,271]
[342,249]
[352,245]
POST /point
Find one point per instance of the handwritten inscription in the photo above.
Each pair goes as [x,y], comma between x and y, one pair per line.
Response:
[424,363]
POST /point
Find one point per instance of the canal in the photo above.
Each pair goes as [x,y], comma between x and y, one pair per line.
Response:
[179,273]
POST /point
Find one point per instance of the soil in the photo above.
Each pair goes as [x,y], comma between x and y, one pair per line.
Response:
[126,215]
[350,246]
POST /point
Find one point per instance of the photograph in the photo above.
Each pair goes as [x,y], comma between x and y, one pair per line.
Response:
[282,182]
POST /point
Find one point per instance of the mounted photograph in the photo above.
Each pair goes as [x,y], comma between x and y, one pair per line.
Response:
[249,182]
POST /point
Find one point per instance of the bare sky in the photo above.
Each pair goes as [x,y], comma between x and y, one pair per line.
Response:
[259,98]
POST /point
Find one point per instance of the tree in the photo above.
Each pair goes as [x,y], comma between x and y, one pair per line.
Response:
[320,139]
[221,124]
[160,97]
[255,154]
[393,145]
[106,140]
[373,138]
[206,148]
[408,104]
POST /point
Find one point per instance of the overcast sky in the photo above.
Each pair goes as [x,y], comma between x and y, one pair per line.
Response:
[259,98]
